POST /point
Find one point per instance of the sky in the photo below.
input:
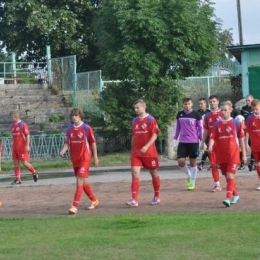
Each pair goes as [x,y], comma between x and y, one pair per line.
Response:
[226,10]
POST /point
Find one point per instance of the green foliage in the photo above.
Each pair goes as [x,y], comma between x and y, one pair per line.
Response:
[26,27]
[236,83]
[56,118]
[148,45]
[142,40]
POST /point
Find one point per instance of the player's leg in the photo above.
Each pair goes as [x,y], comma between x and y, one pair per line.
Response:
[29,166]
[88,190]
[232,196]
[214,170]
[78,193]
[193,154]
[136,165]
[257,161]
[152,165]
[203,160]
[17,171]
[241,165]
[182,153]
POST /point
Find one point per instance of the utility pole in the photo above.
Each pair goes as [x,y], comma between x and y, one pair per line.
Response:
[240,31]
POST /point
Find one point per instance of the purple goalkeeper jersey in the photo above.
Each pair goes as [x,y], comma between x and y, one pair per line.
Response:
[188,127]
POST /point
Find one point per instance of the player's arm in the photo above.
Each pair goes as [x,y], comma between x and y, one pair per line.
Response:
[243,149]
[204,138]
[27,138]
[211,144]
[94,154]
[177,130]
[149,143]
[64,149]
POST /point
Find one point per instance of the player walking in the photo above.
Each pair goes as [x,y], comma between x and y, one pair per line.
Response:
[209,120]
[81,144]
[189,131]
[253,132]
[144,153]
[227,134]
[203,110]
[21,147]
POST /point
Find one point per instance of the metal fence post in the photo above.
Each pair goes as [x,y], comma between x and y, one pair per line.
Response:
[74,81]
[14,66]
[48,56]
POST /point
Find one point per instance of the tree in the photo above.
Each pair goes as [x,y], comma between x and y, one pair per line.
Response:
[148,45]
[26,27]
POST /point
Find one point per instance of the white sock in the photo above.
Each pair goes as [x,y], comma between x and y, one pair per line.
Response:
[193,171]
[186,169]
[217,183]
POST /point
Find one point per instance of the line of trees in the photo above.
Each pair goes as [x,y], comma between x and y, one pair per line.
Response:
[146,44]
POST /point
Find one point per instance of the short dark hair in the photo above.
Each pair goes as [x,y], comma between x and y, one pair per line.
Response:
[186,99]
[213,96]
[77,112]
[203,99]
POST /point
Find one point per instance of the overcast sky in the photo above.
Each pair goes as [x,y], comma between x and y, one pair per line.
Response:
[226,10]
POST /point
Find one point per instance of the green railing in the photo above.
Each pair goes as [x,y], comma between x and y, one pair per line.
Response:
[23,72]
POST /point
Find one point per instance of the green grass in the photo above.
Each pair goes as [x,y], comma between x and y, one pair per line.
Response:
[104,160]
[158,236]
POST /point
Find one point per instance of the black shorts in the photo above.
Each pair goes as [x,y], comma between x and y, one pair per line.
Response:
[190,150]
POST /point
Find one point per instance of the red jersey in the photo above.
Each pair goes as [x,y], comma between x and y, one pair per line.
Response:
[210,118]
[20,131]
[80,138]
[225,134]
[142,129]
[253,129]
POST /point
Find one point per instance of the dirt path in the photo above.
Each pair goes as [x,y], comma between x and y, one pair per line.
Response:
[55,200]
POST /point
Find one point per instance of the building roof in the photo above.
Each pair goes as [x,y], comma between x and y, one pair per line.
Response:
[237,50]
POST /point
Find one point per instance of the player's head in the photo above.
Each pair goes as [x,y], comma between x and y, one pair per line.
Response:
[255,104]
[140,107]
[203,103]
[15,115]
[226,109]
[249,99]
[214,102]
[76,115]
[187,103]
[240,118]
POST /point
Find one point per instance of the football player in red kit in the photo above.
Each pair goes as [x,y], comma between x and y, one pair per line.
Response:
[144,153]
[209,120]
[81,144]
[227,134]
[21,147]
[253,132]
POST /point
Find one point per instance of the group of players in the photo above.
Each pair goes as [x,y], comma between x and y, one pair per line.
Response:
[218,133]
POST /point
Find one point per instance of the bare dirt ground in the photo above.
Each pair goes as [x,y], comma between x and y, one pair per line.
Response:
[55,200]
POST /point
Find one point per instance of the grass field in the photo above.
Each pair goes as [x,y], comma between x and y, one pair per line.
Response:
[104,160]
[158,236]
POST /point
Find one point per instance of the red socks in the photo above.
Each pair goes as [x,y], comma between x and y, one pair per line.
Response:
[231,188]
[32,170]
[135,188]
[258,171]
[89,193]
[77,196]
[17,173]
[156,186]
[215,173]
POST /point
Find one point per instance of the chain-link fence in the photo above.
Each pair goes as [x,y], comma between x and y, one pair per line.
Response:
[203,87]
[63,75]
[89,85]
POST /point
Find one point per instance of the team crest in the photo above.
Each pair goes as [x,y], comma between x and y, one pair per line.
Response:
[144,125]
[80,135]
[228,129]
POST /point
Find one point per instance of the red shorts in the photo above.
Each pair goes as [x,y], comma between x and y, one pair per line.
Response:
[20,156]
[256,156]
[228,168]
[81,171]
[149,163]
